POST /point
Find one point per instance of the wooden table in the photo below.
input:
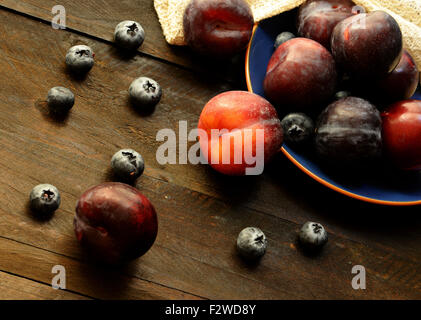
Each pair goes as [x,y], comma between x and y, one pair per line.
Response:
[200,212]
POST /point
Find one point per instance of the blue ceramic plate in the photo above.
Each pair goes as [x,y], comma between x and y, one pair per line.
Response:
[385,186]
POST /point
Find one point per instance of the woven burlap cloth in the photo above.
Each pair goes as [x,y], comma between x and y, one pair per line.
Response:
[406,12]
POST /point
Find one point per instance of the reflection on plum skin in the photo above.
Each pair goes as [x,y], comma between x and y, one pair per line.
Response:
[218,28]
[401,134]
[317,19]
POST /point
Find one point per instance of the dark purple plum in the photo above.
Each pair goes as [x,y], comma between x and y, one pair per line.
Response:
[218,28]
[367,44]
[301,74]
[115,222]
[318,18]
[349,132]
[401,83]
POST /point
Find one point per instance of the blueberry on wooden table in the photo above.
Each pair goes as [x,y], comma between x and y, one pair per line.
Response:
[60,99]
[251,243]
[129,35]
[313,235]
[127,164]
[44,199]
[80,59]
[145,92]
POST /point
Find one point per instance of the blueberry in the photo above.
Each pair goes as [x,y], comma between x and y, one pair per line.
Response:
[313,235]
[145,92]
[129,35]
[80,59]
[60,99]
[127,164]
[298,129]
[44,199]
[251,243]
[342,94]
[282,38]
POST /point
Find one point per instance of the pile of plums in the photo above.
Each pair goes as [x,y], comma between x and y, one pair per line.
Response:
[348,70]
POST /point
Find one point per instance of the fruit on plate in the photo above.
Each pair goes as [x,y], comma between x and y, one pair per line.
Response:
[318,18]
[218,28]
[400,84]
[349,131]
[282,38]
[115,222]
[298,129]
[367,44]
[241,132]
[402,134]
[300,74]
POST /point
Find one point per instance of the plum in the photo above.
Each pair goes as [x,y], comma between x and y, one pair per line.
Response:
[348,132]
[367,44]
[300,74]
[402,132]
[400,84]
[318,18]
[218,28]
[115,222]
[239,112]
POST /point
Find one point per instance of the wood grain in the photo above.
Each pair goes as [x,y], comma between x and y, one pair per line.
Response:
[17,288]
[87,279]
[98,18]
[200,212]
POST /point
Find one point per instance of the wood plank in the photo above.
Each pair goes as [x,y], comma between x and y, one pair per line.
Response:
[200,212]
[99,18]
[17,288]
[87,279]
[191,254]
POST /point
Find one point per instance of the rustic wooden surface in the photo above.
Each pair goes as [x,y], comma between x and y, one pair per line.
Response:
[200,212]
